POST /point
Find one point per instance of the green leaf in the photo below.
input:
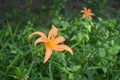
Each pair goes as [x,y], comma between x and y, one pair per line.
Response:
[71,76]
[76,68]
[104,69]
[102,52]
[87,26]
[13,51]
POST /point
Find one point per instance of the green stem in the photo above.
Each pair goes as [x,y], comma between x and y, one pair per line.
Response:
[50,70]
[30,69]
[76,44]
[13,62]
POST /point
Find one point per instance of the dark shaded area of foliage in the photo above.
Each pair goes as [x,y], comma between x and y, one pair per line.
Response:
[96,42]
[42,11]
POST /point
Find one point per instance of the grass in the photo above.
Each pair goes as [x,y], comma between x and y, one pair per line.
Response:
[21,60]
[95,43]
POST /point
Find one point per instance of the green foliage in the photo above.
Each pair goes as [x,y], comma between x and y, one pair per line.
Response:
[95,43]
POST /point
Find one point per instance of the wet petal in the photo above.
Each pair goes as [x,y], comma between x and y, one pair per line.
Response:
[39,33]
[39,40]
[63,47]
[53,32]
[47,54]
[59,40]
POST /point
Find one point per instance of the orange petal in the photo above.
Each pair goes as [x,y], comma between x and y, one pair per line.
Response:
[47,54]
[39,33]
[59,40]
[85,8]
[63,47]
[53,32]
[89,10]
[83,16]
[82,11]
[39,40]
[91,14]
[89,17]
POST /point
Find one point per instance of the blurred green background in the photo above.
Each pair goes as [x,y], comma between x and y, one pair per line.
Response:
[95,43]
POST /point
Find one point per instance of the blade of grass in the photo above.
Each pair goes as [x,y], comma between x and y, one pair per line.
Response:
[13,62]
[29,70]
[50,70]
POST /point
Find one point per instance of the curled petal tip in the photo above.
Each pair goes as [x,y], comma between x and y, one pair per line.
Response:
[81,11]
[53,25]
[84,8]
[34,44]
[31,35]
[44,62]
[71,52]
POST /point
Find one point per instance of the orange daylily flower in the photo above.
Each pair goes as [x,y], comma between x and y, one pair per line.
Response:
[52,42]
[86,13]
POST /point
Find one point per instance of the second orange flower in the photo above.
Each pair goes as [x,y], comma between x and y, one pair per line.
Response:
[86,13]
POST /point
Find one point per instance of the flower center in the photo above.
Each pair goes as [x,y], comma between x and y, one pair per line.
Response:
[50,44]
[87,13]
